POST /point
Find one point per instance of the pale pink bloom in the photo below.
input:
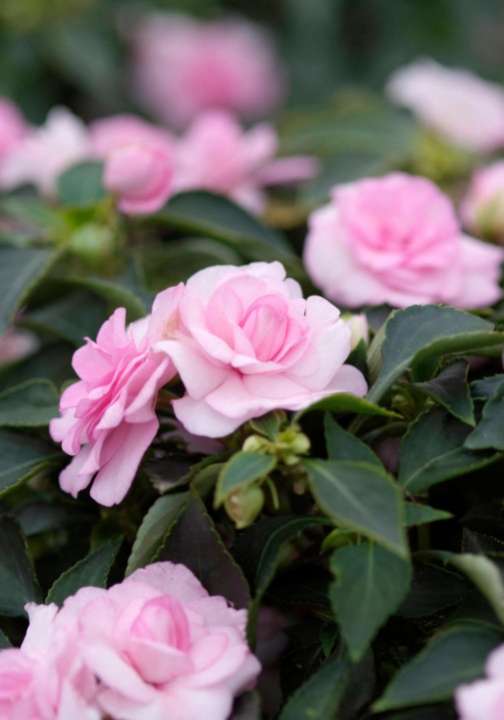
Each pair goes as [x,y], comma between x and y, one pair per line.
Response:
[46,152]
[183,66]
[396,240]
[482,208]
[16,345]
[12,127]
[463,108]
[161,647]
[45,678]
[216,154]
[359,327]
[247,343]
[484,699]
[108,418]
[139,162]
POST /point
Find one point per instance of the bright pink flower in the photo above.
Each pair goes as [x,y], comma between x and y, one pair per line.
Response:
[216,154]
[183,67]
[161,647]
[396,240]
[138,162]
[482,208]
[108,418]
[12,127]
[247,343]
[46,152]
[484,699]
[463,108]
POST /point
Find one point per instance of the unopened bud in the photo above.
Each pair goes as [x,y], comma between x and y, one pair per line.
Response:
[359,328]
[255,443]
[92,243]
[244,505]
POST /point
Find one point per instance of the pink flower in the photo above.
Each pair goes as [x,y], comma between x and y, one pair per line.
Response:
[482,208]
[16,345]
[463,108]
[12,127]
[138,162]
[396,240]
[108,417]
[161,647]
[45,679]
[45,152]
[183,67]
[484,699]
[216,154]
[247,343]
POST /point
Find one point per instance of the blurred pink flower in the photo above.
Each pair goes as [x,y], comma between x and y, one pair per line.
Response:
[108,418]
[484,699]
[482,208]
[396,240]
[247,343]
[45,152]
[463,108]
[15,345]
[12,127]
[183,66]
[216,154]
[139,162]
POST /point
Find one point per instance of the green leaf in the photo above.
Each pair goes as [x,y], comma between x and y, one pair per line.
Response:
[487,387]
[21,269]
[343,445]
[320,696]
[433,451]
[270,424]
[5,643]
[93,571]
[32,404]
[416,337]
[361,497]
[488,433]
[159,520]
[454,656]
[22,457]
[117,294]
[450,389]
[417,514]
[81,185]
[214,216]
[344,403]
[242,470]
[370,584]
[18,584]
[196,543]
[74,317]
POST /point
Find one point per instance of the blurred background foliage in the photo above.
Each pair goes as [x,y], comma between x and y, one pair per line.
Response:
[75,52]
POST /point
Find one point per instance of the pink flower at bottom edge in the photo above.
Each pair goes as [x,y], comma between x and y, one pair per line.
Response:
[484,699]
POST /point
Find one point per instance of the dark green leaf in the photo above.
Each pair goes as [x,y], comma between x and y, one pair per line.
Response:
[152,533]
[195,542]
[433,451]
[18,584]
[241,470]
[361,497]
[370,584]
[92,571]
[417,514]
[31,404]
[74,317]
[487,387]
[488,433]
[21,269]
[416,337]
[117,294]
[454,656]
[344,403]
[450,389]
[343,445]
[22,457]
[5,643]
[81,185]
[270,424]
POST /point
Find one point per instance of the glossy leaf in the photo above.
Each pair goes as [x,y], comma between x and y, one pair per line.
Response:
[345,403]
[417,514]
[31,404]
[343,445]
[242,470]
[450,389]
[488,433]
[22,457]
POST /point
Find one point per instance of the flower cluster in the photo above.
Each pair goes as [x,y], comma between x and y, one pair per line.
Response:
[243,341]
[155,646]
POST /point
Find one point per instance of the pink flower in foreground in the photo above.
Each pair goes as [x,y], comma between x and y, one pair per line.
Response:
[463,108]
[216,154]
[46,152]
[247,343]
[161,647]
[484,699]
[12,127]
[138,162]
[482,208]
[108,417]
[183,67]
[396,240]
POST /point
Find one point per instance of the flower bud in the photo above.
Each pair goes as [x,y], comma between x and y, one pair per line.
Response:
[255,443]
[244,505]
[359,327]
[482,208]
[92,243]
